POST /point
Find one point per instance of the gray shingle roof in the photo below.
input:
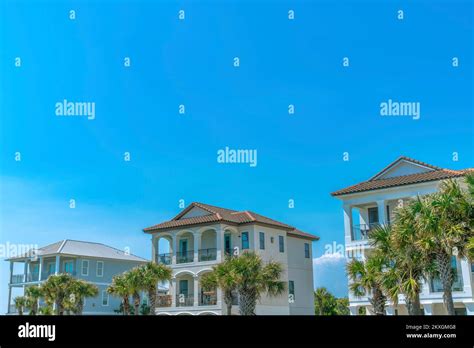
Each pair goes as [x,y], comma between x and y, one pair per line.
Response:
[81,248]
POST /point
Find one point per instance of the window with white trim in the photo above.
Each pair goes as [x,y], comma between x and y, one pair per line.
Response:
[85,268]
[100,269]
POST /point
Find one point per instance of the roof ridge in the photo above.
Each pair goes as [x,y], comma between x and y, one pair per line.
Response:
[61,246]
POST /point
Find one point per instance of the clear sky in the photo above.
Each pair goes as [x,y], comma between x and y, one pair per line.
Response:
[191,62]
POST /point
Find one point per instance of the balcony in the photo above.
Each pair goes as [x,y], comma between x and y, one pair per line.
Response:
[17,278]
[208,299]
[437,286]
[164,259]
[164,301]
[183,300]
[185,257]
[362,231]
[207,254]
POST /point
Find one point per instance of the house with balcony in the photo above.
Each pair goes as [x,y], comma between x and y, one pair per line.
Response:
[201,235]
[374,201]
[93,262]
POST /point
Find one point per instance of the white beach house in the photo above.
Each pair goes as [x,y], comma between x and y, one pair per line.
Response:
[373,202]
[201,235]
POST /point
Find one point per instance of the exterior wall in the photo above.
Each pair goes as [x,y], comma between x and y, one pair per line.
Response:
[404,168]
[300,271]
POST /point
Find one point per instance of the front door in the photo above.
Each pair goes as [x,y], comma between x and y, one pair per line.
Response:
[183,246]
[183,287]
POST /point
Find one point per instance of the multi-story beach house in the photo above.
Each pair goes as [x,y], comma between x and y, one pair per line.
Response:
[374,201]
[201,235]
[93,262]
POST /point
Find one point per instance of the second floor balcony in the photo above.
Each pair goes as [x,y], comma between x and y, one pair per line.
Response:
[362,231]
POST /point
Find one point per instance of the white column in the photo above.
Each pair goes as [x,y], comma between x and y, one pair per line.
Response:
[11,271]
[466,275]
[347,223]
[25,279]
[197,245]
[219,297]
[220,244]
[382,210]
[9,297]
[354,310]
[196,291]
[173,292]
[174,243]
[40,268]
[56,267]
[428,308]
[154,248]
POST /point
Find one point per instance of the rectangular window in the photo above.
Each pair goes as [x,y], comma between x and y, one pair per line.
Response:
[105,298]
[373,215]
[291,290]
[245,240]
[85,268]
[51,268]
[100,269]
[261,236]
[69,267]
[281,242]
[306,250]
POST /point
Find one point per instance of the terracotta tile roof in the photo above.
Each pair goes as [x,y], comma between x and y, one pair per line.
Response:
[434,174]
[218,214]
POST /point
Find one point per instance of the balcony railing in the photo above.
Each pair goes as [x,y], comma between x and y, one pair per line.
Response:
[362,231]
[164,301]
[18,278]
[12,309]
[164,258]
[208,300]
[184,300]
[207,254]
[185,257]
[437,286]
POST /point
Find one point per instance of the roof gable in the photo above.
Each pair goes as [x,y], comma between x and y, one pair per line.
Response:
[403,166]
[194,212]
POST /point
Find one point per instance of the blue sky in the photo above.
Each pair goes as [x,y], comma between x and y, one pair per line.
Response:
[190,62]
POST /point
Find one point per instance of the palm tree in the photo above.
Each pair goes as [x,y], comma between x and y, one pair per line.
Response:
[254,279]
[120,288]
[57,290]
[80,290]
[324,302]
[33,295]
[405,267]
[151,274]
[20,304]
[445,222]
[134,282]
[222,277]
[469,179]
[365,278]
